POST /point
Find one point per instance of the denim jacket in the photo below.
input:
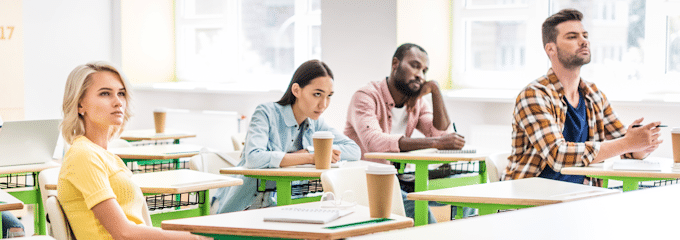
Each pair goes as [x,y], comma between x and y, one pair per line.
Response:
[271,134]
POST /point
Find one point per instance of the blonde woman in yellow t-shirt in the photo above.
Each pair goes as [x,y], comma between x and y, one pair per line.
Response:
[95,189]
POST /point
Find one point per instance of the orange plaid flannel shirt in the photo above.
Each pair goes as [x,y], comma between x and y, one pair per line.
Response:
[538,123]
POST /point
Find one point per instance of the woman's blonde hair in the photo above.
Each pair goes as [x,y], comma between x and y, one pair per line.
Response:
[79,80]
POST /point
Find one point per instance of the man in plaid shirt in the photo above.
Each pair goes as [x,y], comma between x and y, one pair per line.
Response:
[560,120]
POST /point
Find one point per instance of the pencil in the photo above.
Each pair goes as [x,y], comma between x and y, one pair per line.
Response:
[638,125]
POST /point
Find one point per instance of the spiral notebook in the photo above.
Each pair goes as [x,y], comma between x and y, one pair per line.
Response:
[305,215]
[457,151]
[648,164]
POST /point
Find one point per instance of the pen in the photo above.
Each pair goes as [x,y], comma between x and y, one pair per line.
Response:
[454,127]
[638,125]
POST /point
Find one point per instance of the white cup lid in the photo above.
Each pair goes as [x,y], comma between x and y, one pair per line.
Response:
[160,110]
[381,169]
[675,130]
[323,135]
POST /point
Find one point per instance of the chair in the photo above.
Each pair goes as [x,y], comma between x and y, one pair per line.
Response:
[60,228]
[495,165]
[340,180]
[212,162]
[239,141]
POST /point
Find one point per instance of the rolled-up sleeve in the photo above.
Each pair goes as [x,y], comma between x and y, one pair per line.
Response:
[425,122]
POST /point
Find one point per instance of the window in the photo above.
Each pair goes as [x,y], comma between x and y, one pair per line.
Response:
[247,42]
[630,48]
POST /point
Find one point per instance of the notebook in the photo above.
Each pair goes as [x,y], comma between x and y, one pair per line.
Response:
[457,151]
[305,215]
[28,142]
[333,165]
[434,150]
[648,164]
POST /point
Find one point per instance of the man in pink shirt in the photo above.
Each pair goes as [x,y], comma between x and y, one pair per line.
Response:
[383,115]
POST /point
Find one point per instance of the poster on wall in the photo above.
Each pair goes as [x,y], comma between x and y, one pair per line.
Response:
[11,60]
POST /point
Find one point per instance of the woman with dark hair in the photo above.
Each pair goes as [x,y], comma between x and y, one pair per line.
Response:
[280,134]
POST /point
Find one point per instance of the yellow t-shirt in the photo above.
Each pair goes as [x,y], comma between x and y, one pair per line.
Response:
[89,175]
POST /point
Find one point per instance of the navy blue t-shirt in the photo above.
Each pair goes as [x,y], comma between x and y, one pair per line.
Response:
[575,130]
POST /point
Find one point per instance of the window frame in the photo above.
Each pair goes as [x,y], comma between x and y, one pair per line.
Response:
[654,78]
[305,19]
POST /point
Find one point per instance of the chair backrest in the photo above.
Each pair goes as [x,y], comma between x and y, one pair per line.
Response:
[239,140]
[59,225]
[495,165]
[212,162]
[119,143]
[340,180]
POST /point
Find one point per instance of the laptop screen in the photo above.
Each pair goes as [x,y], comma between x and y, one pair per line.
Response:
[28,142]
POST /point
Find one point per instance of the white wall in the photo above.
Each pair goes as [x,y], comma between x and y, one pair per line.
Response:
[58,36]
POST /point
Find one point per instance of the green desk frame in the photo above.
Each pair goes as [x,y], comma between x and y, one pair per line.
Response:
[629,183]
[32,196]
[284,189]
[422,183]
[202,210]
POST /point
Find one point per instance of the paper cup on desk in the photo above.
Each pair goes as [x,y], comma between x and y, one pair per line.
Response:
[380,182]
[676,144]
[159,119]
[323,149]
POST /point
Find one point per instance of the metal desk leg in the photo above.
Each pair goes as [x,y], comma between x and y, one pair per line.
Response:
[283,192]
[422,178]
[630,185]
[205,206]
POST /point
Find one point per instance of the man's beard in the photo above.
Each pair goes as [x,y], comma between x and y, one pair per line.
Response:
[571,61]
[402,84]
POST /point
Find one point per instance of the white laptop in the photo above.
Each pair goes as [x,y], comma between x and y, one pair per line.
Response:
[28,142]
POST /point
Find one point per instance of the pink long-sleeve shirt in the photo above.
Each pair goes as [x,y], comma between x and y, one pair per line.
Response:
[369,120]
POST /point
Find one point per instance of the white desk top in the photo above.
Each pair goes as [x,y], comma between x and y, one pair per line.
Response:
[182,181]
[28,168]
[426,154]
[9,202]
[288,171]
[250,223]
[616,216]
[150,134]
[529,192]
[168,151]
[177,181]
[605,169]
[38,237]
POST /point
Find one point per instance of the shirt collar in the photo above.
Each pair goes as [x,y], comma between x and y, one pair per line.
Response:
[582,86]
[385,92]
[288,116]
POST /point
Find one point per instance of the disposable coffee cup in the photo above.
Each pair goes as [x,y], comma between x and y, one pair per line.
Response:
[323,149]
[380,182]
[159,119]
[676,144]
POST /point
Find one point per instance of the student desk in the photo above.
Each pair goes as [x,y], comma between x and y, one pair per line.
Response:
[613,216]
[421,159]
[250,225]
[30,194]
[285,176]
[8,202]
[178,182]
[630,178]
[154,154]
[151,135]
[514,194]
